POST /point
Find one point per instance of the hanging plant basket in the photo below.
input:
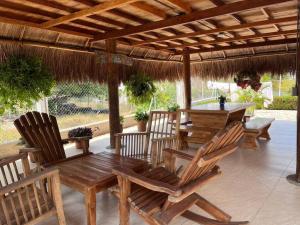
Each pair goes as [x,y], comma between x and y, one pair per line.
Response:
[23,81]
[140,89]
[248,78]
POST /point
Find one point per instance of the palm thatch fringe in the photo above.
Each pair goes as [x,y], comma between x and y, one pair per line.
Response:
[69,66]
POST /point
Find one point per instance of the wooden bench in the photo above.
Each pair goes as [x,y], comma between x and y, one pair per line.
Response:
[255,129]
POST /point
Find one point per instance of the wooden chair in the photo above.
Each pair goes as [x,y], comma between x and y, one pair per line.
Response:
[23,196]
[160,195]
[148,145]
[41,133]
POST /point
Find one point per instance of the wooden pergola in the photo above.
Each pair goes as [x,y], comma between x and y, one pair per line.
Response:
[180,31]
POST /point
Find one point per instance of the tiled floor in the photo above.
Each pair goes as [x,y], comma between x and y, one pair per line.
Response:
[253,186]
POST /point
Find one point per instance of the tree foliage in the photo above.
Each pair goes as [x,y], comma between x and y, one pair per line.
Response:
[23,81]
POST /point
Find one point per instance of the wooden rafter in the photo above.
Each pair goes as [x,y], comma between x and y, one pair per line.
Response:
[228,40]
[86,12]
[248,45]
[182,6]
[150,9]
[221,29]
[194,16]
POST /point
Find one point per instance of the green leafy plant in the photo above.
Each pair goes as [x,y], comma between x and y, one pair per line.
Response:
[284,103]
[249,95]
[141,116]
[140,89]
[23,80]
[122,119]
[80,132]
[222,99]
[173,108]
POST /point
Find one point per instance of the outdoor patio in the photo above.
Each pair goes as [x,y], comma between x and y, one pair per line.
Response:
[253,185]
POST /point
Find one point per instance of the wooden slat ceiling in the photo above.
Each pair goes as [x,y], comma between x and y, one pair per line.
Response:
[165,26]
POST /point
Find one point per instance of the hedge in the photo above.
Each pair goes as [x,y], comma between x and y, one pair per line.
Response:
[284,103]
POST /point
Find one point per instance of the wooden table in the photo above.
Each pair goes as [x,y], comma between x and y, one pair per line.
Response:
[206,120]
[93,173]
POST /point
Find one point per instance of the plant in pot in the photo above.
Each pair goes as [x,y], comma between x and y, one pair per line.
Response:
[81,136]
[172,109]
[142,119]
[121,123]
[222,100]
[23,81]
[247,78]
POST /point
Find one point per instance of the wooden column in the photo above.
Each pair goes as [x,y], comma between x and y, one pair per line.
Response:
[187,79]
[113,92]
[295,178]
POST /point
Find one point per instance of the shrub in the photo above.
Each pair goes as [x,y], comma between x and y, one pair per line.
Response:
[173,108]
[80,132]
[284,103]
[141,116]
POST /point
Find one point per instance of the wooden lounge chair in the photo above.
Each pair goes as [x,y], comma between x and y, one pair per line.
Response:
[41,133]
[160,195]
[148,145]
[23,196]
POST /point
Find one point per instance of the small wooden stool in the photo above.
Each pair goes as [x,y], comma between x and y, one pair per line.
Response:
[255,129]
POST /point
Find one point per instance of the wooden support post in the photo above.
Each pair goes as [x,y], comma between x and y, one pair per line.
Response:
[113,92]
[295,178]
[187,78]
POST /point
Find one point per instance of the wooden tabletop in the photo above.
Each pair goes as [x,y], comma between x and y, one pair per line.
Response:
[95,170]
[229,107]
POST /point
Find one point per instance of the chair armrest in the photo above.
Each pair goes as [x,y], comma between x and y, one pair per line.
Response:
[30,150]
[29,180]
[179,154]
[132,133]
[148,183]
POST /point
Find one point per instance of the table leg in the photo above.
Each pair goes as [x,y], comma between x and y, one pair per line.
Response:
[90,206]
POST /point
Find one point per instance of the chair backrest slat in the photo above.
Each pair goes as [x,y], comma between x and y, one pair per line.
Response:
[225,138]
[41,131]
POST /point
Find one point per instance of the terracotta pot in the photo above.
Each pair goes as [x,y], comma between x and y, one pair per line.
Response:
[142,126]
[172,116]
[81,144]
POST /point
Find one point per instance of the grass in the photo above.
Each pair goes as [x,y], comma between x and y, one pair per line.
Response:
[8,132]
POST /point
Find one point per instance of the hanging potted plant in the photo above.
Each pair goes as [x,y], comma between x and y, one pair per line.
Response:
[247,78]
[142,119]
[140,89]
[23,81]
[77,135]
[172,109]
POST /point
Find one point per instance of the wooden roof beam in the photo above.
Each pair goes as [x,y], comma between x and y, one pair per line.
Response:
[182,6]
[249,45]
[87,12]
[193,16]
[269,15]
[222,29]
[150,9]
[239,38]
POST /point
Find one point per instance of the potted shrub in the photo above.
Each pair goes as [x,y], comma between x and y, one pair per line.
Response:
[172,109]
[121,123]
[142,119]
[78,134]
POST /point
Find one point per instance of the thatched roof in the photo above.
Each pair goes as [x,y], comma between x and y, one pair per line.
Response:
[249,33]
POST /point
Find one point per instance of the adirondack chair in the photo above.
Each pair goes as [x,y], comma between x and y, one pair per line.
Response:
[148,145]
[23,196]
[159,195]
[41,133]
